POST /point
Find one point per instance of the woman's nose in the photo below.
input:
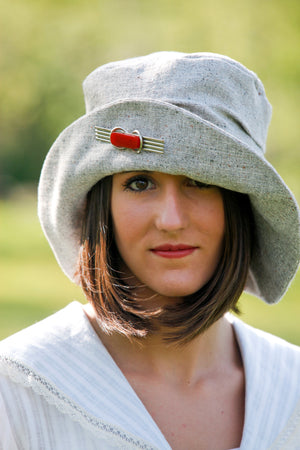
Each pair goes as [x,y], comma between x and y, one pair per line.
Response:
[171,214]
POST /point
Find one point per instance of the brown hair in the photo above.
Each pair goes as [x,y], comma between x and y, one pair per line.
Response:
[117,304]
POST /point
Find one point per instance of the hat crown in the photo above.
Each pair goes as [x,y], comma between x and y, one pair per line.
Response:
[214,87]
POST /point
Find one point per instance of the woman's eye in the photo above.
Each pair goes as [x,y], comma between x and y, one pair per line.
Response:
[198,184]
[138,184]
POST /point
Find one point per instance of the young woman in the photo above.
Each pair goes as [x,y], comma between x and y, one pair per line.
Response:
[160,204]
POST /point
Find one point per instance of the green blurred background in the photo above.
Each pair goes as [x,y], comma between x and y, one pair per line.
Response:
[47,49]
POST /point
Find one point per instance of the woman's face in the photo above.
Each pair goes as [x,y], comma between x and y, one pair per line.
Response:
[168,229]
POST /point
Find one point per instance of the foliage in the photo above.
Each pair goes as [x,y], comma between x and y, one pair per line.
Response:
[48,47]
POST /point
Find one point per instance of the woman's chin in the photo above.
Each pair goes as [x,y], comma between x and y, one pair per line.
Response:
[177,291]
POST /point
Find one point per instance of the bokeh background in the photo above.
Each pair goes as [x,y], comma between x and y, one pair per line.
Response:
[47,49]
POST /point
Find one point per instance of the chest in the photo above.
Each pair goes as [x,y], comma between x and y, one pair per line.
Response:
[207,416]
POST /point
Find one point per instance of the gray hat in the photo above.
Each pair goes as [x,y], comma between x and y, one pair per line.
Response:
[201,115]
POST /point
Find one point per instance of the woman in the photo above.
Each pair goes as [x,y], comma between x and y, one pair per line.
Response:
[160,204]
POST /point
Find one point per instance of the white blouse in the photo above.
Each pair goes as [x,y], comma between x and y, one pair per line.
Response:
[60,388]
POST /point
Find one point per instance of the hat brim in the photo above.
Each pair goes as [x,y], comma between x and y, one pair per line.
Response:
[194,148]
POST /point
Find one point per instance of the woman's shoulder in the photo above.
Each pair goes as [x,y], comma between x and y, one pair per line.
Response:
[272,370]
[52,329]
[268,357]
[262,341]
[269,361]
[56,369]
[44,342]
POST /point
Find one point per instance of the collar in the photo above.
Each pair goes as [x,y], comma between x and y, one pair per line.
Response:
[63,359]
[272,369]
[63,356]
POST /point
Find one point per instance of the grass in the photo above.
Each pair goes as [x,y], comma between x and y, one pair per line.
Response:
[33,286]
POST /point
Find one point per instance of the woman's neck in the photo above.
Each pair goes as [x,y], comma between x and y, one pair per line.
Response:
[214,350]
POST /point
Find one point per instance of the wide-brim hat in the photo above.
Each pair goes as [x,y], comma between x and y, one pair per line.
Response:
[202,115]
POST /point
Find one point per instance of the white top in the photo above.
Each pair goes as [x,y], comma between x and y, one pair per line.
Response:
[61,389]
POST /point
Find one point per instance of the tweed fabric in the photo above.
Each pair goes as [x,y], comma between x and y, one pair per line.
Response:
[213,116]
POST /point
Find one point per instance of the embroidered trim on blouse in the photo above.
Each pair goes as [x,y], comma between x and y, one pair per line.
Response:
[19,373]
[290,435]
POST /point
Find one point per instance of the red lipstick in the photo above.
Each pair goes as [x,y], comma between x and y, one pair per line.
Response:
[173,251]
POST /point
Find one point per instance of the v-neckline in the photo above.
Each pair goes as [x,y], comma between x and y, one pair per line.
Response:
[231,320]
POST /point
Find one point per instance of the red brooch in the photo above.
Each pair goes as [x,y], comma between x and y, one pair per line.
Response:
[121,139]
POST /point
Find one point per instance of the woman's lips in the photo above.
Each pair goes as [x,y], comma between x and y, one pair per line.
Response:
[173,251]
